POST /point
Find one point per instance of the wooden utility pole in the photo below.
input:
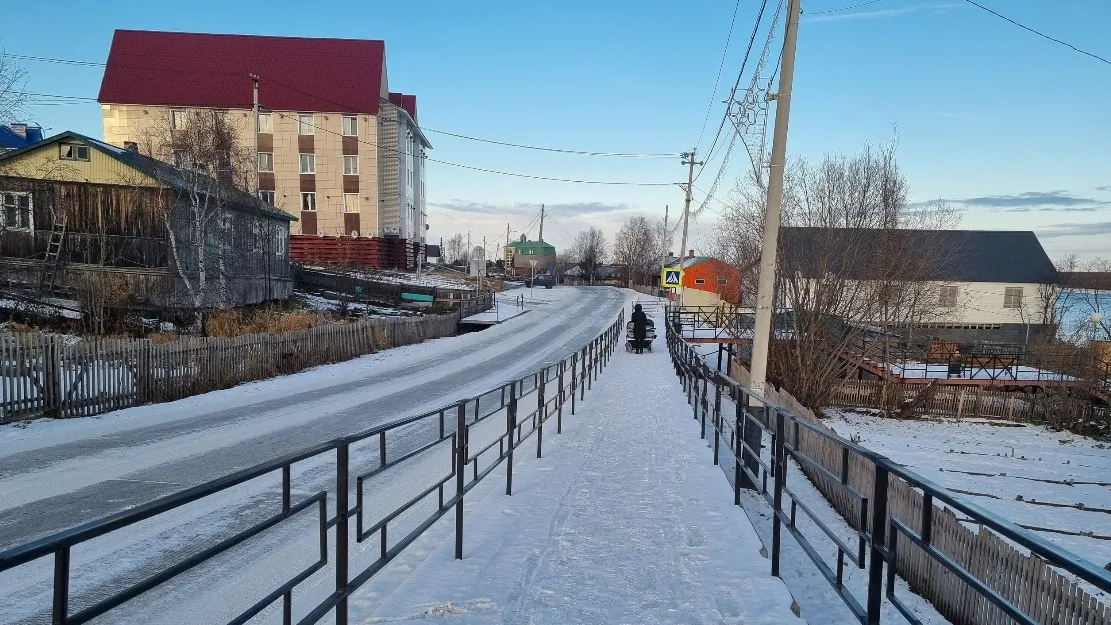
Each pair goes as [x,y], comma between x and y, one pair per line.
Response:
[688,159]
[255,108]
[765,292]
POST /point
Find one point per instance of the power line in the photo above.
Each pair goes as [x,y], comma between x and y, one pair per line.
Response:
[721,66]
[1037,32]
[320,97]
[848,8]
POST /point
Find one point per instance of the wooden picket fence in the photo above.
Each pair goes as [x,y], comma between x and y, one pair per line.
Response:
[47,375]
[1039,590]
[960,401]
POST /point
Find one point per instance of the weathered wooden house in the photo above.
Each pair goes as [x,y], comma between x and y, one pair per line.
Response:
[78,215]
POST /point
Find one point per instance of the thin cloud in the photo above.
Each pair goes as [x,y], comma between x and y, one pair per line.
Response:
[1106,188]
[1061,201]
[1074,230]
[969,117]
[882,13]
[575,209]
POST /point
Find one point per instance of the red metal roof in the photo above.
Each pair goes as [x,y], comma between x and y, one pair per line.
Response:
[407,102]
[209,70]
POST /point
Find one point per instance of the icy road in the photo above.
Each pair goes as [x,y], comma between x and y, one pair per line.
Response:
[57,474]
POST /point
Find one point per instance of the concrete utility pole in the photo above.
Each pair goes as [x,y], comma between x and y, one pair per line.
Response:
[541,222]
[688,159]
[765,293]
[663,263]
[255,108]
[505,261]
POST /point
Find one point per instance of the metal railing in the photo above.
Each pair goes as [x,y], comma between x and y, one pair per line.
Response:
[761,437]
[466,438]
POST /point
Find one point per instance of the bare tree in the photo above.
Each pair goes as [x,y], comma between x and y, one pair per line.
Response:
[589,251]
[210,169]
[456,250]
[636,247]
[13,93]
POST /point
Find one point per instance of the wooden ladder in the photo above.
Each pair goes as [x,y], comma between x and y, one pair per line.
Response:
[53,256]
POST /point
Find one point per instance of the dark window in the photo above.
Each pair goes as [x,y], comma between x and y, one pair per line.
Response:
[74,151]
[16,214]
[699,281]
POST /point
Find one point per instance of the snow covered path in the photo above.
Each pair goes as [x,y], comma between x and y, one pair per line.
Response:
[624,520]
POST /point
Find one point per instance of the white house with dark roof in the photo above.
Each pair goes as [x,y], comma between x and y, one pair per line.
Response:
[990,284]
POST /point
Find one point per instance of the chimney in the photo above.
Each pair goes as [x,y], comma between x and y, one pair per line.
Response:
[20,130]
[131,146]
[690,254]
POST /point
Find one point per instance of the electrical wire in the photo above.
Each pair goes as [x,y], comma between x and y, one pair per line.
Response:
[1037,32]
[721,66]
[344,107]
[848,8]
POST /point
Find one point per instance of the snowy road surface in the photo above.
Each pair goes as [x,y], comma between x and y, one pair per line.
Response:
[57,474]
[624,520]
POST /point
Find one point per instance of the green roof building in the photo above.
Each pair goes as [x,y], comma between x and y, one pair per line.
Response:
[518,255]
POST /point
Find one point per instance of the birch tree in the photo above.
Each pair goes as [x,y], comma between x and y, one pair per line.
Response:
[589,251]
[13,94]
[636,247]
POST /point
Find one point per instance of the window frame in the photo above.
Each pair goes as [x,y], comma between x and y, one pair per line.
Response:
[269,124]
[302,125]
[76,146]
[343,125]
[259,164]
[175,122]
[948,295]
[346,206]
[308,195]
[353,158]
[301,162]
[270,192]
[700,281]
[1012,297]
[30,225]
[181,159]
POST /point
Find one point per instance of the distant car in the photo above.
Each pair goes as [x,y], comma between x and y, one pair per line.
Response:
[545,280]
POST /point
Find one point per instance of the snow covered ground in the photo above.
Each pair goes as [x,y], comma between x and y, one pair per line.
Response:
[623,520]
[334,303]
[914,369]
[443,280]
[57,474]
[1011,469]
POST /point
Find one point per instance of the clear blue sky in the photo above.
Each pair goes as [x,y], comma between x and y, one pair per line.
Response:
[1009,126]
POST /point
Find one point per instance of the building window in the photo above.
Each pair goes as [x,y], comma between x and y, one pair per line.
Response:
[306,124]
[947,297]
[177,119]
[350,202]
[265,123]
[351,165]
[16,213]
[723,281]
[73,152]
[182,159]
[308,201]
[350,126]
[1012,297]
[699,281]
[308,163]
[266,161]
[266,196]
[282,242]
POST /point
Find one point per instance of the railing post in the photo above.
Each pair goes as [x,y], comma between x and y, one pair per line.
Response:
[780,465]
[342,529]
[717,419]
[738,427]
[541,414]
[61,587]
[559,400]
[460,470]
[720,346]
[582,377]
[510,431]
[879,537]
[287,495]
[590,372]
[574,378]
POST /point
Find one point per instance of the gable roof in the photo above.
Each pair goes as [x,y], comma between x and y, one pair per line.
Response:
[539,246]
[213,70]
[405,101]
[161,171]
[967,255]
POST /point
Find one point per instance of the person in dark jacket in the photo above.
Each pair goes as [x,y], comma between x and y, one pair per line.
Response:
[640,328]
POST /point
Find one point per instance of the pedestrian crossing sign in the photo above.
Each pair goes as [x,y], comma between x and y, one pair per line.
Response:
[672,278]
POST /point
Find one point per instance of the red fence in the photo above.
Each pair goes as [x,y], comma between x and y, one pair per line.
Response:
[373,252]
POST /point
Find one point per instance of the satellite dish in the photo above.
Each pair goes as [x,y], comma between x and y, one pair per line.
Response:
[354,234]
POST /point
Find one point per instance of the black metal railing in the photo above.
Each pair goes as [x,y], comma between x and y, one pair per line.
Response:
[467,439]
[761,437]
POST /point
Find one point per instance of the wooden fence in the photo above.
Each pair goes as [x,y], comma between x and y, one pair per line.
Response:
[1039,590]
[45,375]
[962,401]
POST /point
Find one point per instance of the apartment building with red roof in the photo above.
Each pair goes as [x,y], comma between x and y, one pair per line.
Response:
[335,147]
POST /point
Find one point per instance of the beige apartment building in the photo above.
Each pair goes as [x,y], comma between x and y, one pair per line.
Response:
[335,148]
